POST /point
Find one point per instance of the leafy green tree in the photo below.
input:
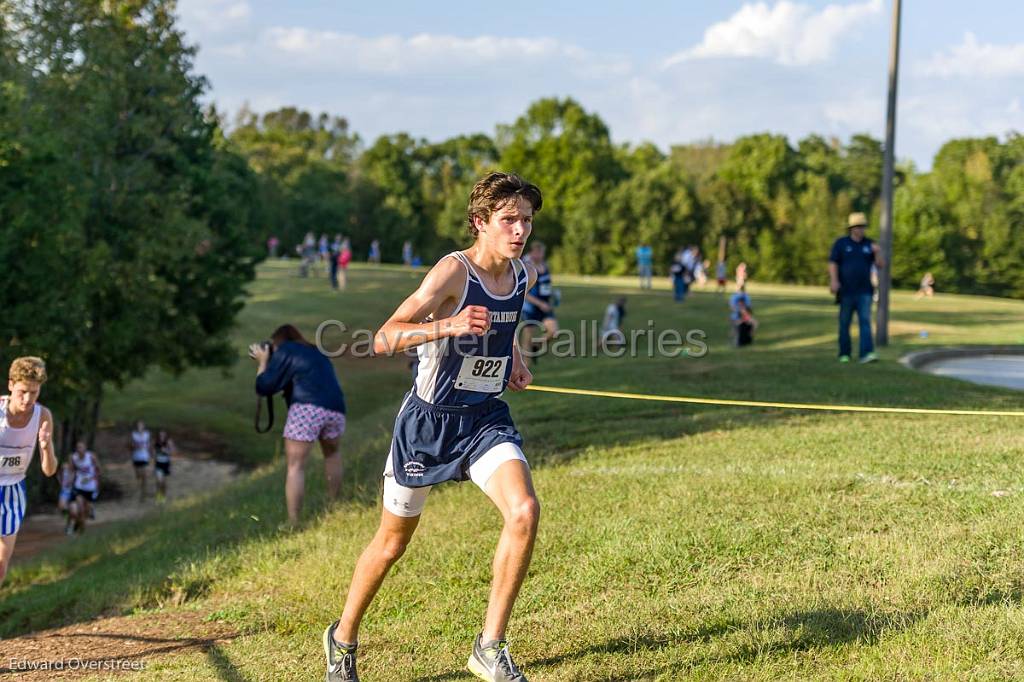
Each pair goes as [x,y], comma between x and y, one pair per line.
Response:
[862,172]
[450,169]
[700,160]
[568,153]
[393,167]
[820,217]
[762,166]
[303,164]
[657,206]
[921,235]
[139,212]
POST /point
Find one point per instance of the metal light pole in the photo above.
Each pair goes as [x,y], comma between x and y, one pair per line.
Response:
[885,235]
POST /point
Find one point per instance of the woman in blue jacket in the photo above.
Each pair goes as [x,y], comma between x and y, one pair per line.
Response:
[316,408]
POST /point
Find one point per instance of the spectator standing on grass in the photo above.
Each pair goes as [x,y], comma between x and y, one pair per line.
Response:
[721,272]
[323,247]
[677,271]
[332,260]
[307,254]
[849,269]
[741,275]
[644,264]
[374,255]
[344,258]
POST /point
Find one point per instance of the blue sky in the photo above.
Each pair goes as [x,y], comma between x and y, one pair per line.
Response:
[667,72]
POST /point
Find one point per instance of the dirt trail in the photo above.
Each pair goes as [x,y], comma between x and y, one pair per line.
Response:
[122,643]
[110,645]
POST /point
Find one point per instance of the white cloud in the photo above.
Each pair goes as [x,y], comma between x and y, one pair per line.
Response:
[436,85]
[787,32]
[214,16]
[397,55]
[972,59]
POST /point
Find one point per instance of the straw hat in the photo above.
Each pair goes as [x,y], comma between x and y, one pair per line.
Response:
[856,220]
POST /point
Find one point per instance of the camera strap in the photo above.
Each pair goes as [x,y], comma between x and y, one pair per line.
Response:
[270,413]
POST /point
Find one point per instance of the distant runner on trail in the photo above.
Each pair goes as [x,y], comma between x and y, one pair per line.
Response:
[163,451]
[141,445]
[87,485]
[453,425]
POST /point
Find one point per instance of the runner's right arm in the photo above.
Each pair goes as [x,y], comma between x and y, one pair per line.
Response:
[443,285]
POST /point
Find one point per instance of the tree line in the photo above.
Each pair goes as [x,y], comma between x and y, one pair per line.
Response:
[778,205]
[128,225]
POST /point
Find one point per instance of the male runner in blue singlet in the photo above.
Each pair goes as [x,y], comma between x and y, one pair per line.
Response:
[452,425]
[539,307]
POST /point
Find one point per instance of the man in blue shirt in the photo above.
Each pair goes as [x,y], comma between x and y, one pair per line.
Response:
[849,269]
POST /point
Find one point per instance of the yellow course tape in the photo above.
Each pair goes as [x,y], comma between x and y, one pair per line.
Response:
[758,403]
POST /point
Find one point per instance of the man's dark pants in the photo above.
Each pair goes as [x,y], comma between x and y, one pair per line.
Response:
[847,305]
[679,288]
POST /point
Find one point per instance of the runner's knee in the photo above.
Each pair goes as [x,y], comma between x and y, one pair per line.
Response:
[524,515]
[390,548]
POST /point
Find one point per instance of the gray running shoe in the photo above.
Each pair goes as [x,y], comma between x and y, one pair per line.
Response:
[341,662]
[493,662]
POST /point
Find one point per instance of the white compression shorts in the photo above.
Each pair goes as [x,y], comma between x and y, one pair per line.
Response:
[409,502]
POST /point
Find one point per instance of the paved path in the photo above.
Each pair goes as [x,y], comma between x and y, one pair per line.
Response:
[993,370]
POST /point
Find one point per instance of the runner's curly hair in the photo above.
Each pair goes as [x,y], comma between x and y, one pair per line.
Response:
[493,191]
[28,368]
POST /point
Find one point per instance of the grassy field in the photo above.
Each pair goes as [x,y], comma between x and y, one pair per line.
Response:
[676,542]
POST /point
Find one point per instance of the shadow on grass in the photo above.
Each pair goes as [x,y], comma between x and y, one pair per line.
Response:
[630,644]
[794,632]
[226,670]
[145,647]
[822,628]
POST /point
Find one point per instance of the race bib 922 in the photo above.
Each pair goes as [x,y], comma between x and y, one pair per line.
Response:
[481,374]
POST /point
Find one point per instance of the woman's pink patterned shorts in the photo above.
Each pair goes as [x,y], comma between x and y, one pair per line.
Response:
[309,423]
